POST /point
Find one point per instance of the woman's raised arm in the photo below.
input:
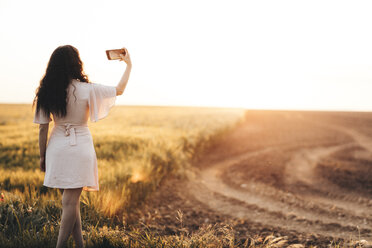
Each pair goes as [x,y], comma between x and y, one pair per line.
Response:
[124,79]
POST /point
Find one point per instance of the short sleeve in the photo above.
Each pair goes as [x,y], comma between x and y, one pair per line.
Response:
[101,99]
[41,118]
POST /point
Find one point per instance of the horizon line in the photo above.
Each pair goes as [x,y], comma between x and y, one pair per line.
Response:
[222,107]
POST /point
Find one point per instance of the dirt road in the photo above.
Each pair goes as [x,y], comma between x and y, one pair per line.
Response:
[306,175]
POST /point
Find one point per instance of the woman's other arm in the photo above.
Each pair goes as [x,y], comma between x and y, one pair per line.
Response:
[43,137]
[124,79]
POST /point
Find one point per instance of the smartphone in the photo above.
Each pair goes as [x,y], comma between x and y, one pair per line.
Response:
[114,53]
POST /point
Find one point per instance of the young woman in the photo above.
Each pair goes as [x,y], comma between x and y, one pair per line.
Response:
[69,160]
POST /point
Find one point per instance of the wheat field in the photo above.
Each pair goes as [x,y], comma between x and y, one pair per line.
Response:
[179,176]
[137,148]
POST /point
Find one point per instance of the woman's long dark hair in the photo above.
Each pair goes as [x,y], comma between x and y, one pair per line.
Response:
[64,65]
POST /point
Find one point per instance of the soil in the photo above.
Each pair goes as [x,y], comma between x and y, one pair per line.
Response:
[304,176]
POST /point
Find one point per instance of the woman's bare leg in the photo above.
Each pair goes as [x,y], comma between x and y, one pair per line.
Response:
[70,204]
[76,231]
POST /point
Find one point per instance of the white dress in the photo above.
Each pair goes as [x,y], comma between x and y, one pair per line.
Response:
[70,158]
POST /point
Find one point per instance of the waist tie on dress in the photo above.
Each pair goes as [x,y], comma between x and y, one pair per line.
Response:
[70,131]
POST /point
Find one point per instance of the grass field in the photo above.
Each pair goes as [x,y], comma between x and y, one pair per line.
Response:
[199,177]
[137,148]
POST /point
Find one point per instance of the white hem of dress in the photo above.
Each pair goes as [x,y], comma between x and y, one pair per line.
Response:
[85,187]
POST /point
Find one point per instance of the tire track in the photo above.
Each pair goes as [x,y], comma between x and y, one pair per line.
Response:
[334,213]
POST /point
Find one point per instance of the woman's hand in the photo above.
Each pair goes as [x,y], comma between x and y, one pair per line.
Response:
[42,164]
[126,57]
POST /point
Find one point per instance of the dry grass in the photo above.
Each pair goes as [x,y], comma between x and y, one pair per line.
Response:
[137,148]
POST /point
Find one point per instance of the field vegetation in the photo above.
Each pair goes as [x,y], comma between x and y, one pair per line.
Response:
[141,151]
[137,148]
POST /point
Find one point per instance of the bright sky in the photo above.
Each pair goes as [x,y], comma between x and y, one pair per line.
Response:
[252,54]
